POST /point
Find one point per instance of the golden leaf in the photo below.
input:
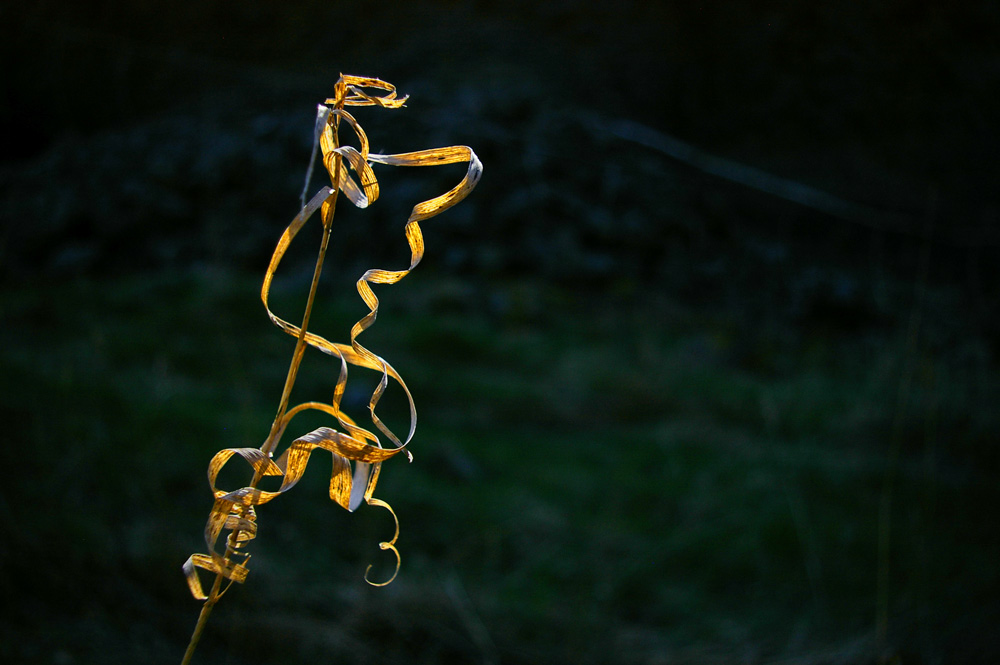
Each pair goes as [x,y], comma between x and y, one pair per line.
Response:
[357,452]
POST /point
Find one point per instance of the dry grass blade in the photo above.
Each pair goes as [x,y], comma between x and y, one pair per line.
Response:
[357,452]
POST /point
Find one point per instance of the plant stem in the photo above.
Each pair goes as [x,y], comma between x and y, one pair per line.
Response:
[206,609]
[300,347]
[300,344]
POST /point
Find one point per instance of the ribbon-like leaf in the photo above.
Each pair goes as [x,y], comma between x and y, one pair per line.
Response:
[357,452]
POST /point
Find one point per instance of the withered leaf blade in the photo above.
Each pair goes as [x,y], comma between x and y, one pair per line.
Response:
[357,453]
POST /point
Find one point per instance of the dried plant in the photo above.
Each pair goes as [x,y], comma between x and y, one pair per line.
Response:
[357,452]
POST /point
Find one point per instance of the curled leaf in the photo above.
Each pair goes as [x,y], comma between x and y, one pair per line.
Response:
[387,545]
[357,453]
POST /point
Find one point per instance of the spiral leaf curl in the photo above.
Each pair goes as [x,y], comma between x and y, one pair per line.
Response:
[351,173]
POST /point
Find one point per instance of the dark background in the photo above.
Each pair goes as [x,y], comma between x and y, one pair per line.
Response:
[667,413]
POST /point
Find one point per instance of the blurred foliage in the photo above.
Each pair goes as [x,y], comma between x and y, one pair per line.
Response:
[562,506]
[657,409]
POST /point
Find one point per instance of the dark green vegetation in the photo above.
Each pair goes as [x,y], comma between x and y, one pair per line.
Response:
[628,486]
[663,418]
